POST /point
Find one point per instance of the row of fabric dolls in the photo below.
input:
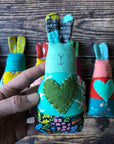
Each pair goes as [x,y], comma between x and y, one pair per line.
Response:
[62,89]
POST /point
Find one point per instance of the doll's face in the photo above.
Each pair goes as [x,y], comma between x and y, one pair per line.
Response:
[60,58]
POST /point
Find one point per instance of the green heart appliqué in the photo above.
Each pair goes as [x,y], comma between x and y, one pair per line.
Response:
[61,96]
[105,90]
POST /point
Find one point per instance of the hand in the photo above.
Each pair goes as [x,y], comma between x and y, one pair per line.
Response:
[14,101]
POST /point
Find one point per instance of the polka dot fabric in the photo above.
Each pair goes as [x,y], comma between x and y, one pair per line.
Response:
[15,62]
[16,46]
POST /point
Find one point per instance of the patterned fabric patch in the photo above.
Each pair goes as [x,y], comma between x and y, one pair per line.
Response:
[98,107]
[52,27]
[10,75]
[17,46]
[66,28]
[53,36]
[52,124]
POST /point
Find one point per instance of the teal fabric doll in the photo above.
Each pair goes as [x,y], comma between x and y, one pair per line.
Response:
[101,98]
[15,62]
[61,106]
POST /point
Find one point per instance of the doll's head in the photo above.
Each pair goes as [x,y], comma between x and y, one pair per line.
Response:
[61,54]
[60,58]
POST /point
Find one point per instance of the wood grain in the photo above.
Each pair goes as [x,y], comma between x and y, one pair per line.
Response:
[94,23]
[93,133]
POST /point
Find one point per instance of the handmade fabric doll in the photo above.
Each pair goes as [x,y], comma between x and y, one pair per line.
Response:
[101,100]
[15,63]
[41,56]
[61,102]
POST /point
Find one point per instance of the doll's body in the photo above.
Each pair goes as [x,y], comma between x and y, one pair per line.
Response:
[61,102]
[101,101]
[15,62]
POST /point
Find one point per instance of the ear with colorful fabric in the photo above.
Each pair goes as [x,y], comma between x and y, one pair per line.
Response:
[41,56]
[15,62]
[101,99]
[53,27]
[61,102]
[66,28]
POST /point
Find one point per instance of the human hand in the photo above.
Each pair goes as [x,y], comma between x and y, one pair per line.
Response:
[14,101]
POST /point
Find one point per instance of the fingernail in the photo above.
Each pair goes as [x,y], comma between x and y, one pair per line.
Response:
[33,97]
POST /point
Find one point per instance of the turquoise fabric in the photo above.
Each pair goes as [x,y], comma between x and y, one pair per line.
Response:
[60,64]
[15,62]
[53,36]
[1,82]
[46,108]
[101,51]
[105,90]
[60,58]
[67,18]
[98,107]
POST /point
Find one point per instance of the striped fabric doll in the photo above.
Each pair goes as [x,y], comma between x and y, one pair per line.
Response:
[15,62]
[101,100]
[61,101]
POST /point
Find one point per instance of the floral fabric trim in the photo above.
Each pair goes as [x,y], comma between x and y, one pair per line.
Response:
[52,124]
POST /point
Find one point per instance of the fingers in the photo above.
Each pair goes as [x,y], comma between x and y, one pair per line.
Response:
[30,90]
[17,103]
[21,81]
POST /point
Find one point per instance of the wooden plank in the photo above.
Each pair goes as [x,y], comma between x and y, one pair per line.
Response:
[95,131]
[94,22]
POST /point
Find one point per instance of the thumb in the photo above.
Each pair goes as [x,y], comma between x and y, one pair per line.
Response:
[18,103]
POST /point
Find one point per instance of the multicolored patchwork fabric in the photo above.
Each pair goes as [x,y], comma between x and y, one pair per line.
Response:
[52,27]
[66,28]
[101,99]
[51,124]
[15,62]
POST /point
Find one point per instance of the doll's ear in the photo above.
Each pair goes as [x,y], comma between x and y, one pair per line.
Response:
[97,51]
[66,28]
[101,51]
[76,48]
[39,50]
[52,27]
[45,49]
[12,44]
[21,42]
[104,50]
[75,45]
[42,50]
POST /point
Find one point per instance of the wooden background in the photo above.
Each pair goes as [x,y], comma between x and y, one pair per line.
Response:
[94,23]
